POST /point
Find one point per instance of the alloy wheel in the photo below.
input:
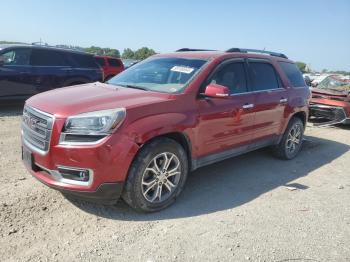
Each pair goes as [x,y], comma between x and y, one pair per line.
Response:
[161,177]
[294,138]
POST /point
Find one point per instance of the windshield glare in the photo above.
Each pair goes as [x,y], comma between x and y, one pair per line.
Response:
[168,75]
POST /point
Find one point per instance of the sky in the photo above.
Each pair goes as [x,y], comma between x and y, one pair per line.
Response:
[316,32]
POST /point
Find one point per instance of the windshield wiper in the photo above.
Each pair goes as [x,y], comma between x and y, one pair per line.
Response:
[135,87]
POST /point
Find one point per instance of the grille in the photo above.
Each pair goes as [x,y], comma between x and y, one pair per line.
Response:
[37,129]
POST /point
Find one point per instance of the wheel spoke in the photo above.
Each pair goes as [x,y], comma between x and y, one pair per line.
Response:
[169,185]
[175,168]
[149,183]
[156,165]
[151,170]
[151,186]
[172,174]
[167,162]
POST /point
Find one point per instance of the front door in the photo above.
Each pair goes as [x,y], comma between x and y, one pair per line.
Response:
[16,74]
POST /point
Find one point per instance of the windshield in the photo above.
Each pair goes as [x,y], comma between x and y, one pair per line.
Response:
[333,83]
[168,75]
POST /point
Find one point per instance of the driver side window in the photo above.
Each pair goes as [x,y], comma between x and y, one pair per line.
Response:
[16,57]
[233,76]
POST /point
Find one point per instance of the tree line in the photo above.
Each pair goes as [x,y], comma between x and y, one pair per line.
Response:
[139,54]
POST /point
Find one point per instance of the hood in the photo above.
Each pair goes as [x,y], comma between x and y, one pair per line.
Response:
[330,94]
[79,99]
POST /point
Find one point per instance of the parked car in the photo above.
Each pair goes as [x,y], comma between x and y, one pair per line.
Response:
[140,134]
[331,101]
[111,66]
[26,70]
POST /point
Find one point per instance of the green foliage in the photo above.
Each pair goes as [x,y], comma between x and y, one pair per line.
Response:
[302,66]
[143,53]
[9,42]
[102,51]
[128,53]
[139,54]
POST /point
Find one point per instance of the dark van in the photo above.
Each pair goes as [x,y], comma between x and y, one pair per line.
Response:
[26,70]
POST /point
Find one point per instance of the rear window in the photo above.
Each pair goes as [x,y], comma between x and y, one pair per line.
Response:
[114,62]
[46,58]
[263,76]
[84,61]
[293,73]
[100,61]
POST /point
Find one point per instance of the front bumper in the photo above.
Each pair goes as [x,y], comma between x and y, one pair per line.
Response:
[335,114]
[107,161]
[106,193]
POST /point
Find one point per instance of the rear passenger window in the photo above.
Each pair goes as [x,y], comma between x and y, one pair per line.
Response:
[263,76]
[293,73]
[114,62]
[84,61]
[100,61]
[46,58]
[232,76]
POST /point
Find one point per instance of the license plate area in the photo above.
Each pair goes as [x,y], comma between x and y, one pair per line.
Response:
[28,158]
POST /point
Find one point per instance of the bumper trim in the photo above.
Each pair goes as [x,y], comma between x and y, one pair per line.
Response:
[106,193]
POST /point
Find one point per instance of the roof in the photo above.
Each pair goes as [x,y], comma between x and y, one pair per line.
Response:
[3,46]
[217,54]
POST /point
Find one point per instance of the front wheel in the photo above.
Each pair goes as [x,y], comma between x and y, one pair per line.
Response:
[156,176]
[291,141]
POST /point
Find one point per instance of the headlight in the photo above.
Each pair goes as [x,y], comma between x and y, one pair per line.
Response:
[91,126]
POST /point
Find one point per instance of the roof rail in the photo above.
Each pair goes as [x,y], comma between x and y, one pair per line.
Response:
[192,49]
[243,50]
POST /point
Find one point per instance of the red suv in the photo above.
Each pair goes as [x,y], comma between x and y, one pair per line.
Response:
[140,134]
[111,66]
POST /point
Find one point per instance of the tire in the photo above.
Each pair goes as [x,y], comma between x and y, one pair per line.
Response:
[284,149]
[149,186]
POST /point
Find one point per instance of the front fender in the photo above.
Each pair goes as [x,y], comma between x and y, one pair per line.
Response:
[144,129]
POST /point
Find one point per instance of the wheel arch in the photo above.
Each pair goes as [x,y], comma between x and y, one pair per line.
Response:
[179,137]
[301,115]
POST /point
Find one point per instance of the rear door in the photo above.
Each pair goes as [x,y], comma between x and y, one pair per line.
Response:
[226,124]
[271,99]
[16,74]
[49,69]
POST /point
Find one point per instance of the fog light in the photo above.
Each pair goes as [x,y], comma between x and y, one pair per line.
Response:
[74,174]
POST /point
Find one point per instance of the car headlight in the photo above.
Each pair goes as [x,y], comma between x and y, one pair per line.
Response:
[92,126]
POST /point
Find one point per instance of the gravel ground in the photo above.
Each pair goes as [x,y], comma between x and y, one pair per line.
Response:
[249,208]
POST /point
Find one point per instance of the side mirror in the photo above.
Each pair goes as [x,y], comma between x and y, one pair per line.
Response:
[217,91]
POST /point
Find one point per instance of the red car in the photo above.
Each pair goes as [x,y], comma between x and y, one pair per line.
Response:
[111,66]
[331,101]
[141,133]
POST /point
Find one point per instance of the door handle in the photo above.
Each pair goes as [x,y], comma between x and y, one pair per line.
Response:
[283,100]
[247,106]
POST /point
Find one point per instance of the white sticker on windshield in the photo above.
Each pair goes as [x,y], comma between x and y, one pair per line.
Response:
[182,69]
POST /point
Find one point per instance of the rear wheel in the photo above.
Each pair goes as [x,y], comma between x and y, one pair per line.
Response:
[291,141]
[157,176]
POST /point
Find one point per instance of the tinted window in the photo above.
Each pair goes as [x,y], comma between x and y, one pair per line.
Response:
[293,73]
[263,76]
[232,76]
[46,58]
[114,62]
[84,61]
[19,56]
[100,61]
